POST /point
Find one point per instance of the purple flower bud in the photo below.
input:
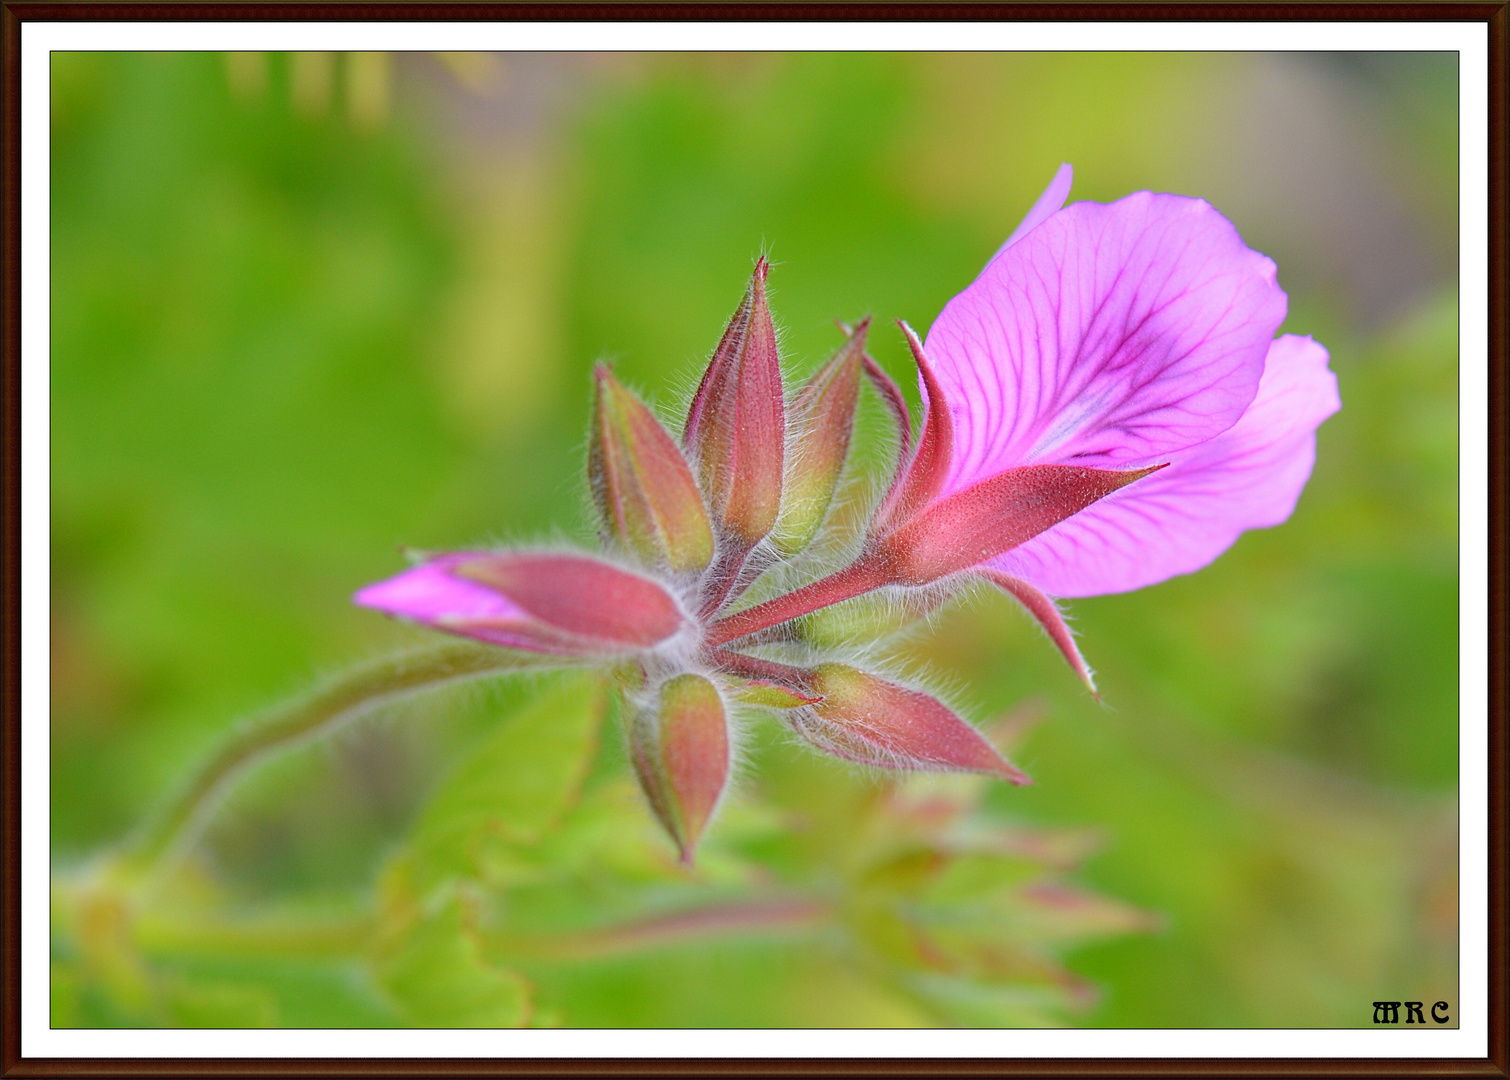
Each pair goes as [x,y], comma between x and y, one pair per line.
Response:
[642,485]
[865,718]
[569,605]
[736,428]
[680,750]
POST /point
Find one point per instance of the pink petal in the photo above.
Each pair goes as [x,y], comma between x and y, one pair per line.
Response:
[429,593]
[1180,518]
[1048,203]
[1107,336]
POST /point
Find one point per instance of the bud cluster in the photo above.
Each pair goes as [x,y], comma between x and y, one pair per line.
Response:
[690,525]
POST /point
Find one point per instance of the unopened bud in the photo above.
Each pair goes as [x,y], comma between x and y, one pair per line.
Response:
[680,750]
[642,485]
[736,428]
[824,416]
[570,605]
[866,718]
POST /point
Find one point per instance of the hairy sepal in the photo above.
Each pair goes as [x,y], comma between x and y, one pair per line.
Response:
[823,417]
[681,751]
[736,426]
[644,489]
[997,514]
[868,719]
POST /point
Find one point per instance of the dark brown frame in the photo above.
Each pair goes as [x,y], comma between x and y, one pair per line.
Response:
[1496,16]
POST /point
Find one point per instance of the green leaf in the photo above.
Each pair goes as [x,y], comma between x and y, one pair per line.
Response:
[514,787]
[438,977]
[222,1005]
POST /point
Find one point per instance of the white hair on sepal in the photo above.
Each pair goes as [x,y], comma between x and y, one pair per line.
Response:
[819,736]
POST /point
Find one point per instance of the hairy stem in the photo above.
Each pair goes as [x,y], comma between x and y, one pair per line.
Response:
[756,916]
[761,669]
[316,712]
[864,575]
[722,576]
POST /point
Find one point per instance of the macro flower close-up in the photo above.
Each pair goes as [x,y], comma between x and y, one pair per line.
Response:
[1105,406]
[752,541]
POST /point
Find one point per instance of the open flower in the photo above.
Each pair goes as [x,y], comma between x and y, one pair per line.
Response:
[1119,337]
[1105,406]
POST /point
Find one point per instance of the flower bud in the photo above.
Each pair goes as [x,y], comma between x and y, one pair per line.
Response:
[868,719]
[736,428]
[641,483]
[681,752]
[824,415]
[569,605]
[995,515]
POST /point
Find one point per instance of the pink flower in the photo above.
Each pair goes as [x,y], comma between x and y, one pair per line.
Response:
[1119,337]
[1106,406]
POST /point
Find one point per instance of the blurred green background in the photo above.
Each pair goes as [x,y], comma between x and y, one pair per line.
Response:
[309,307]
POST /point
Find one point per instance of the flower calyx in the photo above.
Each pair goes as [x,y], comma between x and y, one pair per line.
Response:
[1105,407]
[679,743]
[646,496]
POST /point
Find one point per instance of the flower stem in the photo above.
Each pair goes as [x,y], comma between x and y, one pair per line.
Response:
[722,576]
[862,576]
[788,914]
[337,698]
[761,669]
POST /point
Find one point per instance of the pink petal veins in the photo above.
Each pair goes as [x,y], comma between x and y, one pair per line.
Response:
[1106,336]
[1180,518]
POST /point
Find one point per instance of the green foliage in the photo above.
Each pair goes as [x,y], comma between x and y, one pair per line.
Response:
[437,974]
[495,809]
[255,397]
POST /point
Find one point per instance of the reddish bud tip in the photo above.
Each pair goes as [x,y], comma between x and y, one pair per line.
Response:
[823,416]
[1042,607]
[736,428]
[993,516]
[919,477]
[868,719]
[891,395]
[681,753]
[643,487]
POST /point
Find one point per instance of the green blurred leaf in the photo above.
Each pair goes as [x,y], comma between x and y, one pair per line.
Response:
[222,1005]
[497,805]
[438,976]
